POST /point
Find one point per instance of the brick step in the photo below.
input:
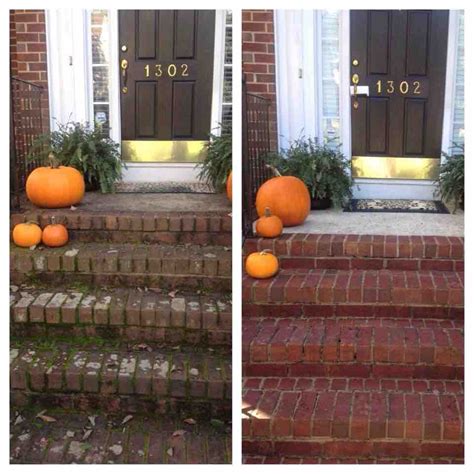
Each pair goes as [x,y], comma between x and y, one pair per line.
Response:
[368,287]
[360,246]
[322,347]
[124,314]
[88,376]
[348,460]
[153,266]
[141,440]
[201,228]
[352,423]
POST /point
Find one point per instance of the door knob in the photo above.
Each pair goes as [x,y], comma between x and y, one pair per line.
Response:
[124,66]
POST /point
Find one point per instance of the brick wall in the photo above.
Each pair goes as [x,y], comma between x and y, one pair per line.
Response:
[258,50]
[28,59]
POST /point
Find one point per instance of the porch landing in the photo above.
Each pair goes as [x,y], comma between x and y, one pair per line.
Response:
[334,221]
[149,202]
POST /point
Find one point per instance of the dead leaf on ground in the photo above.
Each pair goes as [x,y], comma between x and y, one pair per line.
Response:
[170,452]
[189,421]
[178,433]
[86,435]
[127,419]
[47,419]
[92,419]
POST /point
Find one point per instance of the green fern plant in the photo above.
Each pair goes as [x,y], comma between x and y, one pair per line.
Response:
[217,164]
[85,148]
[323,169]
[451,177]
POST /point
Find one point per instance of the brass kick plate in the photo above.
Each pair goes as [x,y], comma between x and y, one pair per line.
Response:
[163,151]
[388,167]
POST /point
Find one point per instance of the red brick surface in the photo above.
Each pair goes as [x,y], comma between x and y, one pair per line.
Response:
[258,60]
[28,54]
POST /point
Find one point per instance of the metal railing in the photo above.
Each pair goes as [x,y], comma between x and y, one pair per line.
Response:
[26,124]
[255,145]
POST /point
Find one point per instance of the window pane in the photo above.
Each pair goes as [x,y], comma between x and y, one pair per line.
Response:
[101,117]
[100,77]
[227,116]
[100,46]
[99,17]
[228,46]
[227,96]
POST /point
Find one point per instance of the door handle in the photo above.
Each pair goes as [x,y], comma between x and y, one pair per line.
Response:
[124,67]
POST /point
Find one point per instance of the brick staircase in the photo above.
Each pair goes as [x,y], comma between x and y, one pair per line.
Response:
[132,317]
[354,352]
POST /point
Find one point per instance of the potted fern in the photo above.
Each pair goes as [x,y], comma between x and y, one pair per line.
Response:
[217,164]
[85,148]
[451,178]
[323,169]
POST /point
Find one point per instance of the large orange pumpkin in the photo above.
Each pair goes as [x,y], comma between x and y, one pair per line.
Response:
[269,226]
[55,235]
[287,197]
[261,265]
[55,187]
[229,186]
[27,234]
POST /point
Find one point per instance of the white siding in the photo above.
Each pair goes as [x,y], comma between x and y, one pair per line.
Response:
[458,113]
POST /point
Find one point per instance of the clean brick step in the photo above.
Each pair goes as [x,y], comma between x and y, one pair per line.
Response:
[125,314]
[353,460]
[315,291]
[153,266]
[360,246]
[119,379]
[199,228]
[323,347]
[141,440]
[352,423]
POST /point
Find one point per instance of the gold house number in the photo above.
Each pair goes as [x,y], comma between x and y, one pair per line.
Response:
[404,87]
[171,71]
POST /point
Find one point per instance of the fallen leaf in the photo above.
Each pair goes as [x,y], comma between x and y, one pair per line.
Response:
[92,419]
[189,421]
[19,419]
[47,419]
[87,433]
[32,247]
[172,294]
[70,434]
[127,419]
[73,208]
[179,433]
[170,452]
[194,372]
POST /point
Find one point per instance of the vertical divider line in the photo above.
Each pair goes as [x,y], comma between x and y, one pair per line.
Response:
[236,236]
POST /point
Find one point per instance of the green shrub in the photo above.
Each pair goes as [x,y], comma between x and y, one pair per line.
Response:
[85,148]
[451,177]
[323,169]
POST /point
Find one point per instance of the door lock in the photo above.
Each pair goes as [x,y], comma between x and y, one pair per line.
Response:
[355,81]
[124,67]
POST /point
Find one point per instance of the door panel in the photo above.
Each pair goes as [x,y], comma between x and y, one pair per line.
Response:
[401,56]
[166,88]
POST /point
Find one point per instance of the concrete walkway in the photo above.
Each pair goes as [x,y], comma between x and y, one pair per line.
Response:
[334,221]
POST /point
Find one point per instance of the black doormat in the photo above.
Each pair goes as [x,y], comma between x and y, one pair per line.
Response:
[396,205]
[164,187]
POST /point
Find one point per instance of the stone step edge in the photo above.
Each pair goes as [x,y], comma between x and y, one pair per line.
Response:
[133,221]
[308,342]
[108,372]
[353,245]
[357,286]
[139,259]
[121,308]
[355,416]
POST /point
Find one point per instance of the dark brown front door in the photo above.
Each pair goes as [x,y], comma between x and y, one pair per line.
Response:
[166,73]
[401,56]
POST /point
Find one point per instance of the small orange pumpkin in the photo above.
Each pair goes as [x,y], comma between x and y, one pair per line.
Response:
[229,186]
[27,234]
[287,197]
[55,235]
[52,187]
[269,226]
[261,265]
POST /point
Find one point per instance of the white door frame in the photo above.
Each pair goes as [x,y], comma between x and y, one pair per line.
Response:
[70,77]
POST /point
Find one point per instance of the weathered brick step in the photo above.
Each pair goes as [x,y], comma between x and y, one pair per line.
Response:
[347,460]
[340,423]
[153,266]
[141,440]
[382,287]
[119,379]
[171,228]
[125,314]
[361,246]
[328,348]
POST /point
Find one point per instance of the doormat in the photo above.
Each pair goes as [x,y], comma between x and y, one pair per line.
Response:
[165,187]
[396,205]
